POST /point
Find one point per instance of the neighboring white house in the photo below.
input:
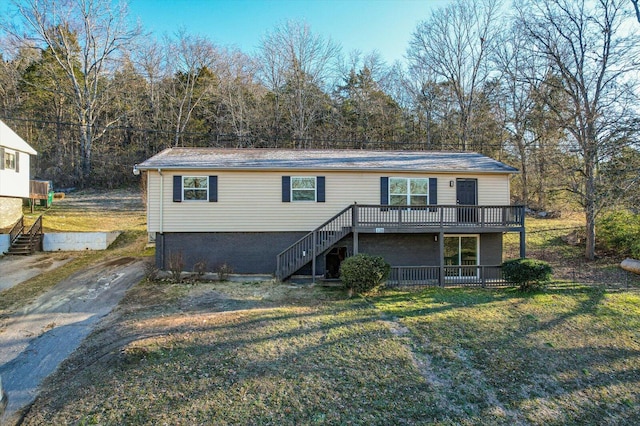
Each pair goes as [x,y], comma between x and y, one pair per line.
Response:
[14,174]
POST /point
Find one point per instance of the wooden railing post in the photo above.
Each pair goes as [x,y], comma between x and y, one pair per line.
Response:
[314,242]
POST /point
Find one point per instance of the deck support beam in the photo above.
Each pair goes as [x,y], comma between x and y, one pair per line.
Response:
[523,244]
[354,225]
[441,245]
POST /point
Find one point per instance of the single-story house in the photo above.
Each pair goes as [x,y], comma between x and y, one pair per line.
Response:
[14,174]
[432,215]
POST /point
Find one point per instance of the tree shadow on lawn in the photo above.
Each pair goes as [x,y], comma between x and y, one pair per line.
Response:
[337,360]
[566,366]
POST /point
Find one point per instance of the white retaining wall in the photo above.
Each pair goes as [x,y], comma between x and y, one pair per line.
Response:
[78,241]
[4,243]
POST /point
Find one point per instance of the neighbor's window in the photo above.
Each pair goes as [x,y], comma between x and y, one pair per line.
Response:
[195,188]
[303,188]
[9,160]
[408,191]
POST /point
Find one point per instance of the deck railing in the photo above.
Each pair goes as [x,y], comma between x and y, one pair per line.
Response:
[439,216]
[454,276]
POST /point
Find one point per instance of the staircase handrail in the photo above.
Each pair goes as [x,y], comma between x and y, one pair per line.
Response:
[16,230]
[35,232]
[280,274]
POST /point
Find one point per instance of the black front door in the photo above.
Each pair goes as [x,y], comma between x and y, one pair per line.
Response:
[466,195]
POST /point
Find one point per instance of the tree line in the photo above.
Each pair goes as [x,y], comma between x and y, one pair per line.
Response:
[549,86]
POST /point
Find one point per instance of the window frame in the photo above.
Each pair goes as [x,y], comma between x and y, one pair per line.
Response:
[293,190]
[205,189]
[11,165]
[477,248]
[408,193]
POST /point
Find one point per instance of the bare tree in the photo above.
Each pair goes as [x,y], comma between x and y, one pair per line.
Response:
[239,91]
[595,59]
[191,61]
[86,38]
[455,44]
[295,67]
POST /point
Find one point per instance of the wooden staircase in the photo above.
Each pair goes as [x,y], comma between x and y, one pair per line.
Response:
[25,243]
[307,248]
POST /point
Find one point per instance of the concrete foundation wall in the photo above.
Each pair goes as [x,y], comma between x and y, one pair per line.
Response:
[4,243]
[78,241]
[10,211]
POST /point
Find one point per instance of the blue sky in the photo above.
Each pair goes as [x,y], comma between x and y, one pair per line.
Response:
[366,25]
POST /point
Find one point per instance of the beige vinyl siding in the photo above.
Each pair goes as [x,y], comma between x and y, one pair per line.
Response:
[252,201]
[493,190]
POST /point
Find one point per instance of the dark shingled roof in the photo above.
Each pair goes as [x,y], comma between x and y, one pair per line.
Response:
[289,159]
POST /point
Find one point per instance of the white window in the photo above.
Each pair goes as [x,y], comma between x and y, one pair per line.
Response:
[195,188]
[303,188]
[9,160]
[408,191]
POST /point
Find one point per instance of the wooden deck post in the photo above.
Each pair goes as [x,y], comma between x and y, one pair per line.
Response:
[441,245]
[354,226]
[523,245]
[313,259]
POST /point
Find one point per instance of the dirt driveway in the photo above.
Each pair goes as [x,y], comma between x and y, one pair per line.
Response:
[35,340]
[16,269]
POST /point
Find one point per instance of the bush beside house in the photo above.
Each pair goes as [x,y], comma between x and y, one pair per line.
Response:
[362,273]
[529,274]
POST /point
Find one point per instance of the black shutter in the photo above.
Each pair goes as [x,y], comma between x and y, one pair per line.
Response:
[17,162]
[177,189]
[384,190]
[213,189]
[1,158]
[286,189]
[433,193]
[320,190]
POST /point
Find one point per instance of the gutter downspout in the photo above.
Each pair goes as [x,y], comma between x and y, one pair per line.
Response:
[161,199]
[161,220]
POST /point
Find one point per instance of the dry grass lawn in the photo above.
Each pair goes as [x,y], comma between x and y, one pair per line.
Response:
[264,353]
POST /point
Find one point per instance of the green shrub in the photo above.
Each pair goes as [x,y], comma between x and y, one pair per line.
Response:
[529,274]
[620,232]
[363,272]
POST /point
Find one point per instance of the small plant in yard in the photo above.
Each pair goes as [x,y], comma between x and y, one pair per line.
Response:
[224,270]
[176,266]
[200,268]
[363,272]
[529,274]
[151,271]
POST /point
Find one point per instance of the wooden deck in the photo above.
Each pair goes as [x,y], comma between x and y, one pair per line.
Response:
[456,218]
[382,219]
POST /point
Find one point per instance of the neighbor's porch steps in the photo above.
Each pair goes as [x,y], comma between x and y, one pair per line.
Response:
[26,243]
